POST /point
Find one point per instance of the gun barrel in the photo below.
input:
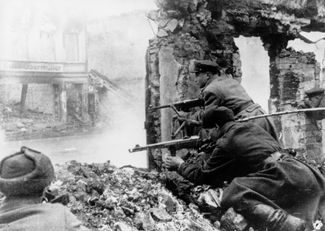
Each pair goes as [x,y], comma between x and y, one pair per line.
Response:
[190,103]
[192,141]
[282,113]
[159,107]
[181,104]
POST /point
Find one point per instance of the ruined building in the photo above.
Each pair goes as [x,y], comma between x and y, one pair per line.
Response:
[46,82]
[43,63]
[206,29]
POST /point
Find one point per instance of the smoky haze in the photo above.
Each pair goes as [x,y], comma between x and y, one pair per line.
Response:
[255,69]
[118,34]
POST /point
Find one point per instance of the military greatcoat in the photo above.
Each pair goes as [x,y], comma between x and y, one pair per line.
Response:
[241,157]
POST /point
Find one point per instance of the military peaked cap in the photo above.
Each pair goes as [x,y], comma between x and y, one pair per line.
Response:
[199,66]
[315,91]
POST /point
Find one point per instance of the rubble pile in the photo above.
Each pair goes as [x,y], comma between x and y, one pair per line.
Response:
[33,124]
[16,124]
[107,198]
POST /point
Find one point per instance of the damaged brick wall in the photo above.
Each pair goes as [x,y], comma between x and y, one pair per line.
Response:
[202,29]
[183,36]
[295,73]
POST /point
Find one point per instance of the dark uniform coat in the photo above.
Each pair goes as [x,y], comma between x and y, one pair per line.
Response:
[29,215]
[228,92]
[240,158]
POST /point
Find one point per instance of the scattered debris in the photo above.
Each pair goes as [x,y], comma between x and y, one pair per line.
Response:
[104,197]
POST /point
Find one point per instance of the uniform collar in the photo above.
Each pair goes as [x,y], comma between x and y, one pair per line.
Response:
[10,203]
[226,127]
[208,82]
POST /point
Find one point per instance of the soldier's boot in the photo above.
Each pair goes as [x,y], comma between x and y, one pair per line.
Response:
[277,219]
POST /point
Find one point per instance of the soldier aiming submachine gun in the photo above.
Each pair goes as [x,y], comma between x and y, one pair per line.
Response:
[196,141]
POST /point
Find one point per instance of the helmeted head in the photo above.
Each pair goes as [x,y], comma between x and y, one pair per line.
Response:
[25,173]
[217,116]
[204,71]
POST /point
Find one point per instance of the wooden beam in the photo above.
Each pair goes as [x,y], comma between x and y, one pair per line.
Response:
[23,98]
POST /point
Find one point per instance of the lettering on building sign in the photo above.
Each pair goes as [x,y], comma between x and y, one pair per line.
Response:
[30,66]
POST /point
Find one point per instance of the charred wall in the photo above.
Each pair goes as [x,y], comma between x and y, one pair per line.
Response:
[296,72]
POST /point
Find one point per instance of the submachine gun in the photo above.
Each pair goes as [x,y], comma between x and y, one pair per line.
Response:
[184,105]
[175,144]
[181,105]
[172,145]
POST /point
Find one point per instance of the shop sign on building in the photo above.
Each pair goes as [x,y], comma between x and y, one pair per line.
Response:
[31,66]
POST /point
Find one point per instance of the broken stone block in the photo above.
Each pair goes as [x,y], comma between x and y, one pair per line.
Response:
[92,201]
[163,23]
[79,196]
[160,214]
[204,17]
[138,220]
[96,186]
[127,211]
[162,33]
[118,212]
[169,202]
[173,14]
[171,25]
[233,221]
[120,226]
[134,195]
[211,197]
[148,224]
[194,226]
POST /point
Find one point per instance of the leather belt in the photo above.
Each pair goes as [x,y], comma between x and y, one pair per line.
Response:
[243,107]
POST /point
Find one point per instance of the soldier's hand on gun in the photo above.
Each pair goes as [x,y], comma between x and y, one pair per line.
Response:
[173,161]
[185,117]
[181,116]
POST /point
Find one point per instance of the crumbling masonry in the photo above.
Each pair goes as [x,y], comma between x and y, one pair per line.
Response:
[205,29]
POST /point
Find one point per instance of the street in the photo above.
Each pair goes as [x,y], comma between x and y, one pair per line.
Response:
[91,149]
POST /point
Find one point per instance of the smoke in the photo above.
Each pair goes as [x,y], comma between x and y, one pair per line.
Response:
[112,144]
[3,146]
[125,119]
[255,68]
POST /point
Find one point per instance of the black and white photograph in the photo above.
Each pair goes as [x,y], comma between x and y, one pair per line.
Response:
[162,115]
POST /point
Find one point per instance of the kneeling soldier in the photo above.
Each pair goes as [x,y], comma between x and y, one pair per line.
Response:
[268,189]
